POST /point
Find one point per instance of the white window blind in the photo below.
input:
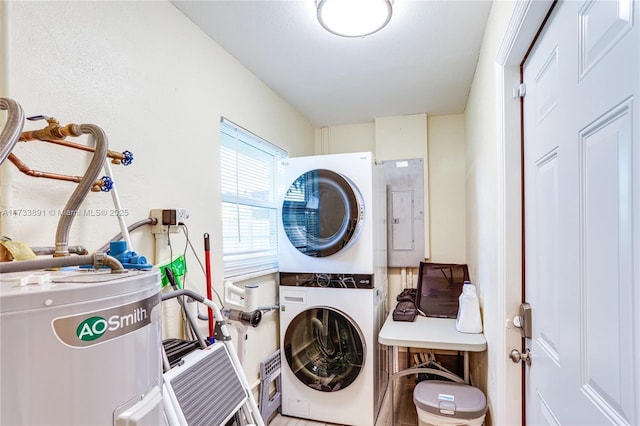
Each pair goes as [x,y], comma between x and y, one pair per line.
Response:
[249,173]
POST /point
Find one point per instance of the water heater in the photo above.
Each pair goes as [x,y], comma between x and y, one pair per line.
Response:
[80,348]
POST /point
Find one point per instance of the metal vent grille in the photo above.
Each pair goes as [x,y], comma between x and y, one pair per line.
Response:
[210,391]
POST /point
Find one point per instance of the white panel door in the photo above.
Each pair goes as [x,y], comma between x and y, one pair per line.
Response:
[582,215]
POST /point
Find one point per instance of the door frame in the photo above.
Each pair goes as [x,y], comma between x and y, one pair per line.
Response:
[526,19]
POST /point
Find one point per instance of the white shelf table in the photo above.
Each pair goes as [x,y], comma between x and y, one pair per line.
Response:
[427,333]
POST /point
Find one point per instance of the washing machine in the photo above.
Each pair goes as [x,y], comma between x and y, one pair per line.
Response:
[332,214]
[333,368]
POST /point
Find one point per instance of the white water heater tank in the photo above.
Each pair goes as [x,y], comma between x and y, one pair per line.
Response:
[80,348]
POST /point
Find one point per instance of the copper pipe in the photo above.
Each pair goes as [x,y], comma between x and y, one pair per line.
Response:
[22,166]
[52,131]
[35,173]
[89,182]
[116,157]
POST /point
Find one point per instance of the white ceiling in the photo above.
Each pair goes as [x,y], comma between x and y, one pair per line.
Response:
[422,62]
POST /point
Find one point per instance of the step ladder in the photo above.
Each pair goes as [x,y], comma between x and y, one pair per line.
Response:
[270,373]
[208,387]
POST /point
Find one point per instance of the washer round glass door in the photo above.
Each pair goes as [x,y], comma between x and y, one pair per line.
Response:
[322,213]
[324,348]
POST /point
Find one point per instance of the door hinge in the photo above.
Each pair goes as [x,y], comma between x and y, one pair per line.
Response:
[520,91]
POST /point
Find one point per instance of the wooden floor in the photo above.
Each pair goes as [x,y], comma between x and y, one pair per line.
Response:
[404,408]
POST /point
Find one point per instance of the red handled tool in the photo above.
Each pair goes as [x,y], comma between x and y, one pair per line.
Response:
[207,261]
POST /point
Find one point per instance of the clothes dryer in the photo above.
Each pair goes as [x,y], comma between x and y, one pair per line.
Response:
[333,368]
[332,215]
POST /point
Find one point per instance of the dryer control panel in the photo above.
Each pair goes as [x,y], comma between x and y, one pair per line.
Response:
[302,279]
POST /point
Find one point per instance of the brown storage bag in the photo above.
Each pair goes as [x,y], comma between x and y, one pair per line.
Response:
[405,311]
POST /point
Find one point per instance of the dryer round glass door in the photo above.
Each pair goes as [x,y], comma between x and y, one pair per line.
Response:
[322,213]
[324,348]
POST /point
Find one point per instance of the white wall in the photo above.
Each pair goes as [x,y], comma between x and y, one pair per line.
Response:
[402,137]
[158,86]
[447,189]
[482,147]
[4,53]
[359,137]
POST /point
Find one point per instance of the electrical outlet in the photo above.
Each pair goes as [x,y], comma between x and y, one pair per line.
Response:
[167,220]
[182,215]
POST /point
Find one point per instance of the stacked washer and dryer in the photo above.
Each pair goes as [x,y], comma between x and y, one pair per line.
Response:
[333,286]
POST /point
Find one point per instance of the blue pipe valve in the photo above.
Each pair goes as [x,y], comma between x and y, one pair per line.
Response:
[107,184]
[128,158]
[128,258]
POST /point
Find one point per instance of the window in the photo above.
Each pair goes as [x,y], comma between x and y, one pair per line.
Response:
[249,173]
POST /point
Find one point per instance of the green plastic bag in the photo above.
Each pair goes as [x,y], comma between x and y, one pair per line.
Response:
[178,266]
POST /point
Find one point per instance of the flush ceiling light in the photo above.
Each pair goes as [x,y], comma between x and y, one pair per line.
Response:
[354,18]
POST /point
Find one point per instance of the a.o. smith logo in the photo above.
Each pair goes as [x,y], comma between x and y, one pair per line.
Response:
[100,326]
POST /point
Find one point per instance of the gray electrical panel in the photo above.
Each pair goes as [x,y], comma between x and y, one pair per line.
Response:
[405,212]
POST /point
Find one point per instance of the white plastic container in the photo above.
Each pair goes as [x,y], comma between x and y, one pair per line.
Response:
[447,403]
[468,319]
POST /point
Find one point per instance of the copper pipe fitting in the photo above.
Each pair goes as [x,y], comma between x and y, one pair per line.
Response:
[52,131]
[24,168]
[116,157]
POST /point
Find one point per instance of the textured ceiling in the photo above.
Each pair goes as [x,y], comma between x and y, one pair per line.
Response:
[422,62]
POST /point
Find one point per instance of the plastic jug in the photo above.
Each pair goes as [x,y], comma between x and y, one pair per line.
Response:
[468,319]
